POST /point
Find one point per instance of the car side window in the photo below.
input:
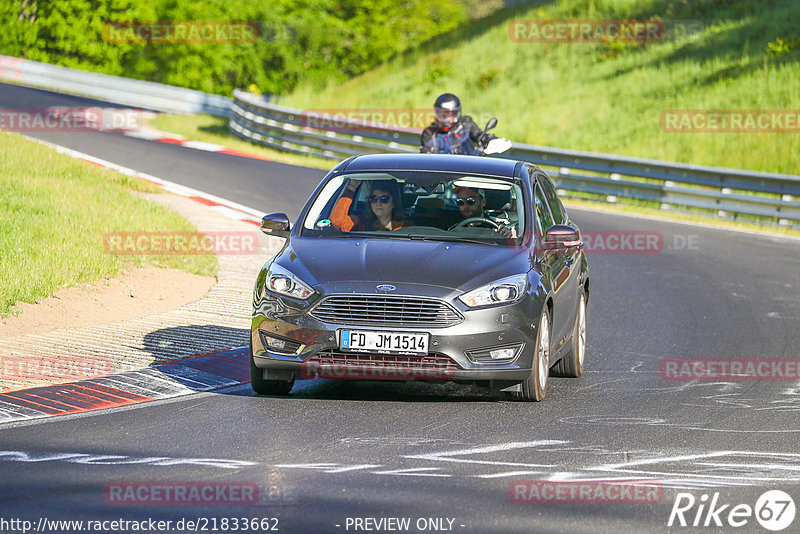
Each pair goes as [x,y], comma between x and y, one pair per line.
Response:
[557,209]
[544,219]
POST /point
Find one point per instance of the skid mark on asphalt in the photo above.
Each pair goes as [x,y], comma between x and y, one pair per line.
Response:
[329,468]
[414,472]
[711,394]
[719,468]
[118,459]
[377,440]
[450,456]
[556,461]
[655,421]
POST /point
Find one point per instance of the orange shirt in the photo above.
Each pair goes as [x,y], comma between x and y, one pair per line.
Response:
[346,222]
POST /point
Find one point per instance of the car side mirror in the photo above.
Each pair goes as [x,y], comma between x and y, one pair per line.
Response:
[561,237]
[276,224]
[491,124]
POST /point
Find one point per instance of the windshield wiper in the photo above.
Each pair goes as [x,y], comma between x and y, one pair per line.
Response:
[413,237]
[450,239]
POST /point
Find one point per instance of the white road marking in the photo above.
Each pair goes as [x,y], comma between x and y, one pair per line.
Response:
[650,461]
[307,466]
[510,474]
[778,467]
[329,468]
[448,455]
[148,135]
[200,145]
[413,472]
[346,468]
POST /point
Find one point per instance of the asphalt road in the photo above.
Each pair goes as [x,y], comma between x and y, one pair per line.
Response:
[335,451]
[259,184]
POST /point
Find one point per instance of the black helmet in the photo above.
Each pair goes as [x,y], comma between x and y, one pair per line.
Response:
[446,111]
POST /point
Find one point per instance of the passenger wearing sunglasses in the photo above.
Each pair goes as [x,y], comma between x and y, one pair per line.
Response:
[385,211]
[471,203]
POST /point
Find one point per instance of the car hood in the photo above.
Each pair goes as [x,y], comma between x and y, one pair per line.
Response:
[463,266]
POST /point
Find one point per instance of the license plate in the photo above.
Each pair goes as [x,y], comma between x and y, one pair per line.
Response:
[384,342]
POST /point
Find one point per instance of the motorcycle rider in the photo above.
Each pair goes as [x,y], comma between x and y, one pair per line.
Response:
[448,120]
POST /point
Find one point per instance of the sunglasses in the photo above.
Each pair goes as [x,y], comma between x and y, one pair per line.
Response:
[462,201]
[383,198]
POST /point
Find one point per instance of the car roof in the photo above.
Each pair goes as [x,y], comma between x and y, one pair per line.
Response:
[433,162]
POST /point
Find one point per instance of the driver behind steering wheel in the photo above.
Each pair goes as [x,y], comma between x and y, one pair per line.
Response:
[471,203]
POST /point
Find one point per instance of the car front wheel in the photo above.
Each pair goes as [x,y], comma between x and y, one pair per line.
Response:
[535,386]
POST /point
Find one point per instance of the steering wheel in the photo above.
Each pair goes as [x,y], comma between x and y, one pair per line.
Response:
[484,220]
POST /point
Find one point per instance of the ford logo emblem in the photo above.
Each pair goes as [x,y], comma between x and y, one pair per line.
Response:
[385,287]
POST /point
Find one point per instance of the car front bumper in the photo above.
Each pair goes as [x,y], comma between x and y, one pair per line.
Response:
[457,353]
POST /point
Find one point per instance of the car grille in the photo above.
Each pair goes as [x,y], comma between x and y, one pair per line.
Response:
[335,357]
[351,366]
[384,310]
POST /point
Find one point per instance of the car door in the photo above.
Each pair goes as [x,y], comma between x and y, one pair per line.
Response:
[562,265]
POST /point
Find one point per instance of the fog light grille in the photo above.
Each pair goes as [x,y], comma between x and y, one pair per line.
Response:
[499,354]
[278,344]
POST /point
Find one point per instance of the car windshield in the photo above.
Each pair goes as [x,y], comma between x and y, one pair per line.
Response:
[442,206]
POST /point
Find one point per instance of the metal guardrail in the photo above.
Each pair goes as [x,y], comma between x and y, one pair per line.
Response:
[126,91]
[730,193]
[727,192]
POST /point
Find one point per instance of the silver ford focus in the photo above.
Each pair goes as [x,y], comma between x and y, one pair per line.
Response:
[424,267]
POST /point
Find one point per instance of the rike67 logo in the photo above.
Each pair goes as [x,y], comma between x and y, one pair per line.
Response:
[774,510]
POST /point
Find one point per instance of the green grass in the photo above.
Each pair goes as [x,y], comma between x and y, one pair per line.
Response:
[605,97]
[54,214]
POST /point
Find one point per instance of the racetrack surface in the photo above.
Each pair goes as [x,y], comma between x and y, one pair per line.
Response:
[334,450]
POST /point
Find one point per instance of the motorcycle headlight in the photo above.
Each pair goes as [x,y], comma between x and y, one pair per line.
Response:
[502,291]
[282,282]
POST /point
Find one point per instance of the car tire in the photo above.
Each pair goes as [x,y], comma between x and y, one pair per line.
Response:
[261,385]
[535,386]
[571,365]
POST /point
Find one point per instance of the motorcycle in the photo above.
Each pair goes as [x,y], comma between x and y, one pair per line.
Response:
[458,141]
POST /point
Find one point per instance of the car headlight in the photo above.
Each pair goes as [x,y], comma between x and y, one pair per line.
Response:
[282,282]
[502,291]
